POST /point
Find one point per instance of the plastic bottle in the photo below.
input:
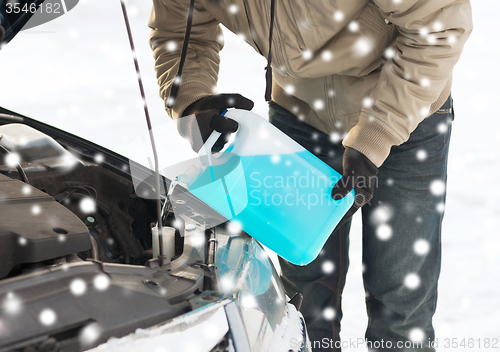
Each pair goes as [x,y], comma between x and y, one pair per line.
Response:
[278,192]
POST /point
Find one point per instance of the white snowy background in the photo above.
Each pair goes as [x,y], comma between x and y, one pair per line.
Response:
[76,73]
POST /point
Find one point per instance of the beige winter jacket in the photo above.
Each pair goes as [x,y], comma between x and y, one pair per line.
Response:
[371,69]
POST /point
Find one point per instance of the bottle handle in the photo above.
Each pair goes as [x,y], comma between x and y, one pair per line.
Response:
[206,149]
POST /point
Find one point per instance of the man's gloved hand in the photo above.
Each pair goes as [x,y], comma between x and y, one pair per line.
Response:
[208,117]
[360,174]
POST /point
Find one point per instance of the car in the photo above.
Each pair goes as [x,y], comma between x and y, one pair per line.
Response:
[77,268]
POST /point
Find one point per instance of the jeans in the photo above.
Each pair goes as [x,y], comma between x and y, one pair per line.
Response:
[401,241]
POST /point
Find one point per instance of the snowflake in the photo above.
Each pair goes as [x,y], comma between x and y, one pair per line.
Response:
[390,182]
[425,82]
[248,301]
[290,89]
[99,158]
[307,54]
[424,112]
[101,282]
[326,55]
[384,232]
[421,155]
[437,187]
[363,46]
[416,335]
[47,317]
[389,53]
[421,246]
[275,158]
[319,104]
[440,207]
[338,16]
[233,8]
[452,40]
[353,26]
[87,205]
[90,334]
[234,227]
[335,137]
[382,214]
[437,26]
[367,102]
[331,93]
[431,39]
[36,209]
[442,127]
[424,32]
[12,159]
[329,313]
[197,239]
[12,304]
[61,238]
[23,241]
[78,287]
[328,266]
[412,281]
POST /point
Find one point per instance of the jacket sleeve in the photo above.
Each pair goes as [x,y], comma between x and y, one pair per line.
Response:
[431,37]
[199,77]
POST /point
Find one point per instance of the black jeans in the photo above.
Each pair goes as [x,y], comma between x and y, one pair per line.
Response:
[401,241]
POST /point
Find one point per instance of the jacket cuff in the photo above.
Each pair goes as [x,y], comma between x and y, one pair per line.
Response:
[371,137]
[189,92]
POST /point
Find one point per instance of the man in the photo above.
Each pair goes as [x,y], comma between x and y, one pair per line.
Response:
[364,85]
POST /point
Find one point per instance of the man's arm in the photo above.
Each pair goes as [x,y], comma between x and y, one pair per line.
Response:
[168,22]
[431,37]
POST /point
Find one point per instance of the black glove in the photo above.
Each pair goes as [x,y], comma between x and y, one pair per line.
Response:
[359,173]
[205,116]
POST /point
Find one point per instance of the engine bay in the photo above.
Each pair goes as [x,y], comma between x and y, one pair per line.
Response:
[70,208]
[69,212]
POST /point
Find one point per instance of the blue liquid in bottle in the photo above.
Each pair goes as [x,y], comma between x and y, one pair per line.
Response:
[282,200]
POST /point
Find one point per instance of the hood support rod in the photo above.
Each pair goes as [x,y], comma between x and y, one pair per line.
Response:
[161,255]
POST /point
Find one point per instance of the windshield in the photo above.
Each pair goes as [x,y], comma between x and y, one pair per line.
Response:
[76,73]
